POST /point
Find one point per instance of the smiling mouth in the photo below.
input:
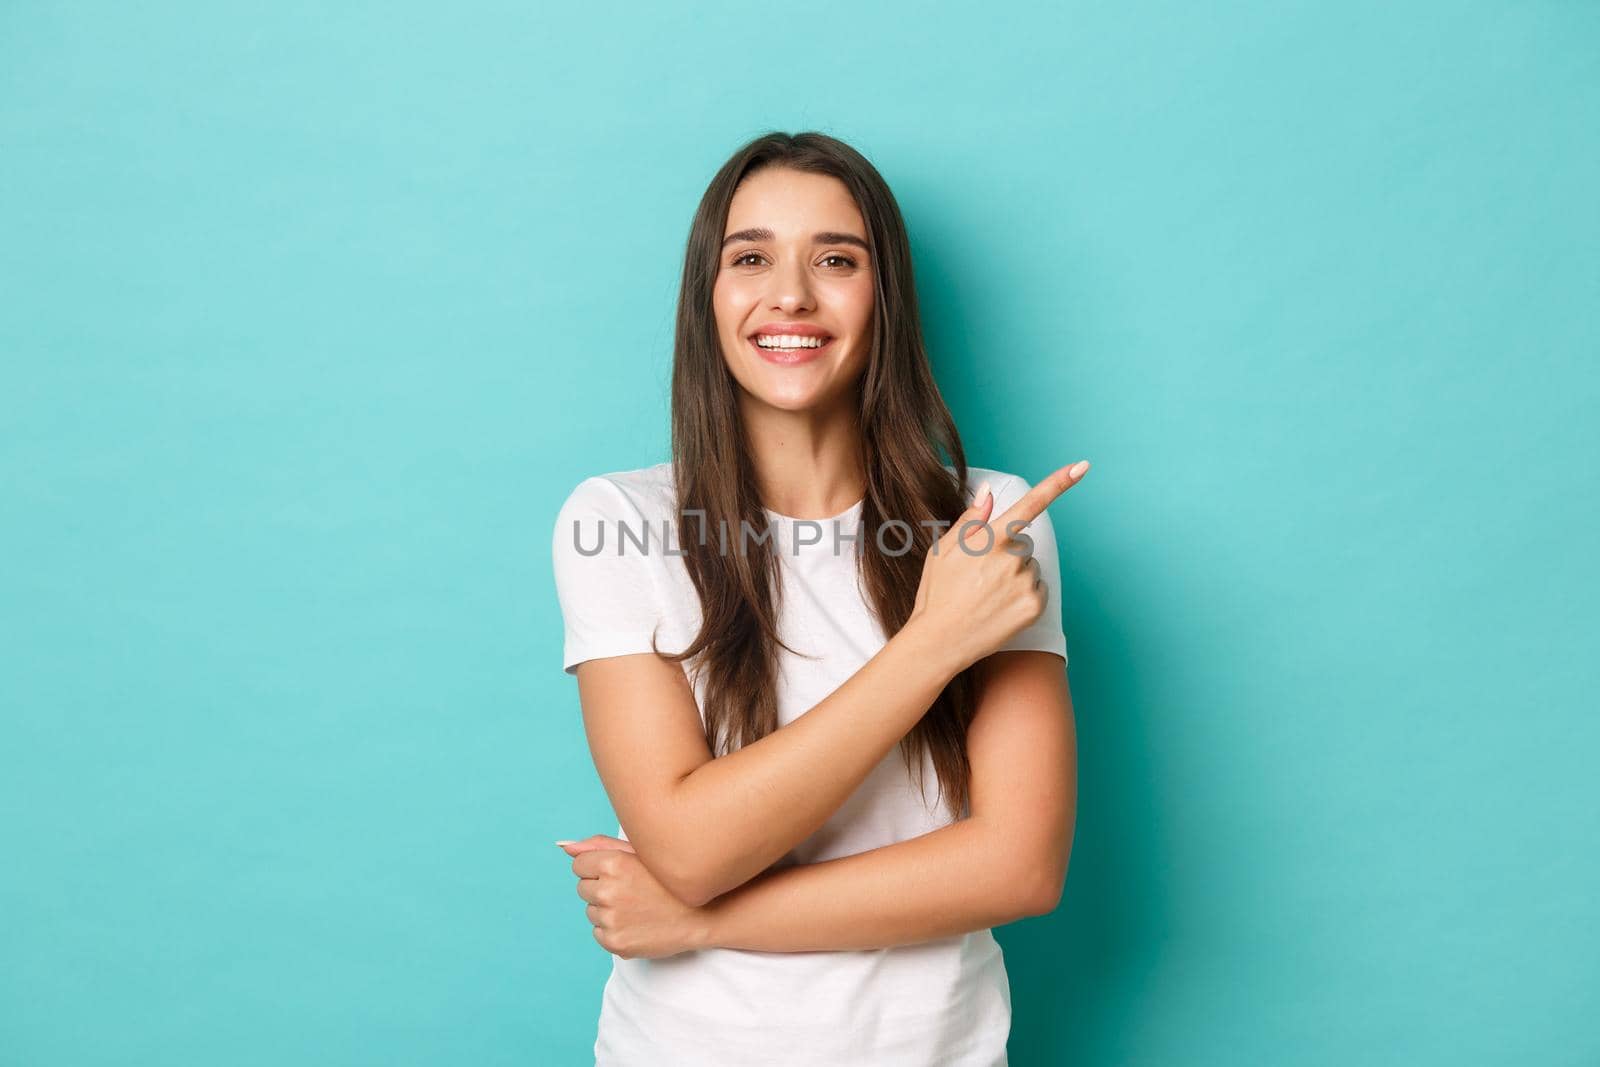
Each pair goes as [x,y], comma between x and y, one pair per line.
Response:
[791,340]
[790,356]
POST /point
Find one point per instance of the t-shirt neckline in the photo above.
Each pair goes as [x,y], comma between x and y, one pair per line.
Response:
[847,513]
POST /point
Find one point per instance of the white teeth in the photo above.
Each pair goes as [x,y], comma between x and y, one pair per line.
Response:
[788,341]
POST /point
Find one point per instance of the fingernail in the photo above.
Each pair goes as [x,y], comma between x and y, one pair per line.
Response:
[566,843]
[1078,468]
[979,496]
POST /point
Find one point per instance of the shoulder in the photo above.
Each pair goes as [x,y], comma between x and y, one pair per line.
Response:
[615,506]
[1007,487]
[641,493]
[610,564]
[608,533]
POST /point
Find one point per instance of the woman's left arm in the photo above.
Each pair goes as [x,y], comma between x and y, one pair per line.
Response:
[1008,860]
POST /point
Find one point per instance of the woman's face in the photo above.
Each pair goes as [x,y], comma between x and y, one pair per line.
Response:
[794,265]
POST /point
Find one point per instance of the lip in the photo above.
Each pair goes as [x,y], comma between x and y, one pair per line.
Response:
[791,358]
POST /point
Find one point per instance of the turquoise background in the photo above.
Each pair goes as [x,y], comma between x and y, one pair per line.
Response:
[313,314]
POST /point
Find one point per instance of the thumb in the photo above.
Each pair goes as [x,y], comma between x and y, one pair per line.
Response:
[594,843]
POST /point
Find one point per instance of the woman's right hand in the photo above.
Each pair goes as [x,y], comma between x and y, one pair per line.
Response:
[976,596]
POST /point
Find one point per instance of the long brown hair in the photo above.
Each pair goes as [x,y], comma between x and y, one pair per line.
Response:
[904,424]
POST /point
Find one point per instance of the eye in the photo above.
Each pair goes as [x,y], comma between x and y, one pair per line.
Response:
[846,262]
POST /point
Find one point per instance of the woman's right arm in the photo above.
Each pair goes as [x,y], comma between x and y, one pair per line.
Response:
[703,826]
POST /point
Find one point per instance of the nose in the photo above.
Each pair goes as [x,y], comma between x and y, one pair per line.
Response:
[791,286]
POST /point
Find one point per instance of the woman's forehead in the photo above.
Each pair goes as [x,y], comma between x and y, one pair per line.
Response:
[792,205]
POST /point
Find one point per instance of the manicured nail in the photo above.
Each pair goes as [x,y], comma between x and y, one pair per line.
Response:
[563,843]
[1078,468]
[981,494]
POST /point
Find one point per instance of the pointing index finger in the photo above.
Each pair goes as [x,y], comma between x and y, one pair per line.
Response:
[1042,495]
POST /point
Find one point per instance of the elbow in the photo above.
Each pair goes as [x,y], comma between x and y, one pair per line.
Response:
[684,865]
[697,883]
[694,895]
[1047,876]
[687,887]
[1047,886]
[701,887]
[685,878]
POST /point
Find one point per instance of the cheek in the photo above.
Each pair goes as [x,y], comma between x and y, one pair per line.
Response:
[719,303]
[861,304]
[729,305]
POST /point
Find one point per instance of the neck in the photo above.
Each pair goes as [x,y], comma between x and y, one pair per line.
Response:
[809,464]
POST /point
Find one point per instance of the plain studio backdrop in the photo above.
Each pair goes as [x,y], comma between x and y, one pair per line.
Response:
[311,315]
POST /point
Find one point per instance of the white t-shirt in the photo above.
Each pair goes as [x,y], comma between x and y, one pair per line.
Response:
[943,1002]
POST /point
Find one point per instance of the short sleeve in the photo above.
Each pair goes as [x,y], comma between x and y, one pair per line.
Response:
[605,578]
[1044,633]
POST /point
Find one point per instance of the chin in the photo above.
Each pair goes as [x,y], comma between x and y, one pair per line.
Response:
[785,401]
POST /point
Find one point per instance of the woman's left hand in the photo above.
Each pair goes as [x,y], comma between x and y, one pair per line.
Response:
[633,915]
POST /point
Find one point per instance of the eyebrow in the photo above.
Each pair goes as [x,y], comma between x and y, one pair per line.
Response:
[825,237]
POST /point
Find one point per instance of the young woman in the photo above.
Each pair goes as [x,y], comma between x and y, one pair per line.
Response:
[823,687]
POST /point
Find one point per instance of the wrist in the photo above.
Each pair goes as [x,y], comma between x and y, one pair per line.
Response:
[931,646]
[702,926]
